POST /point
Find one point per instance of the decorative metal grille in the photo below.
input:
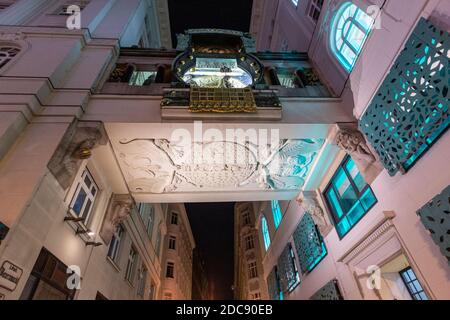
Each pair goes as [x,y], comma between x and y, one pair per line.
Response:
[224,100]
[328,292]
[272,285]
[286,270]
[435,216]
[309,244]
[411,109]
[7,54]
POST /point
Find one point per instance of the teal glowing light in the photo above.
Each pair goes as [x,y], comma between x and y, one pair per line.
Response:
[265,233]
[349,30]
[348,196]
[276,212]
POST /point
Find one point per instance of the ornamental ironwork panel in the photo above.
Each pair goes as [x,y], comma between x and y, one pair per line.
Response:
[411,109]
[435,216]
[308,243]
[286,270]
[222,100]
[328,292]
[272,284]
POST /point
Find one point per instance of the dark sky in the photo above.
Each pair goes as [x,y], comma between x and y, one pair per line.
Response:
[191,14]
[213,228]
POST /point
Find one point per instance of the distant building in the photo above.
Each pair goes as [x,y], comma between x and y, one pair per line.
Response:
[249,281]
[200,282]
[178,256]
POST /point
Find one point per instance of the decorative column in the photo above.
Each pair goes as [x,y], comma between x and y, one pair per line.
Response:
[76,145]
[309,203]
[119,208]
[351,140]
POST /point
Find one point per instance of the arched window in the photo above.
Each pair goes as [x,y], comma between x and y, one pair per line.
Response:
[276,212]
[7,53]
[265,232]
[349,31]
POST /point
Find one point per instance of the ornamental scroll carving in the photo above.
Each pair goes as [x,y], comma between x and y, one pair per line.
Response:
[76,145]
[309,203]
[119,208]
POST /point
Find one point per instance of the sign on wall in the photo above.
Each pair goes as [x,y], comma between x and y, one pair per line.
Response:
[10,275]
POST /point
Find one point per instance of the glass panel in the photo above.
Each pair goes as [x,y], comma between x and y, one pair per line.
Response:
[78,205]
[334,202]
[345,190]
[87,181]
[368,199]
[358,179]
[87,209]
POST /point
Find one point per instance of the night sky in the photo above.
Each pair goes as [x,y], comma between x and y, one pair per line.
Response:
[192,14]
[213,228]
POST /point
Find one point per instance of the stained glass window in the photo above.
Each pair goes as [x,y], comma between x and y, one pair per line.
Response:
[349,31]
[276,212]
[265,232]
[348,196]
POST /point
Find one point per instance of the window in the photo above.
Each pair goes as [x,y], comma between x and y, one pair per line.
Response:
[84,196]
[349,30]
[348,196]
[170,270]
[252,270]
[114,246]
[249,242]
[64,10]
[158,242]
[294,267]
[256,296]
[314,9]
[142,281]
[142,78]
[147,213]
[276,212]
[413,285]
[174,218]
[246,218]
[129,272]
[265,232]
[172,243]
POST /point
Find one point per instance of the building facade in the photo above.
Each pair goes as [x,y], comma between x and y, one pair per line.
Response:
[372,225]
[249,281]
[178,258]
[98,132]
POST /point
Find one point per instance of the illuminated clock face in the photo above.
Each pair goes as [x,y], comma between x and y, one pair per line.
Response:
[217,73]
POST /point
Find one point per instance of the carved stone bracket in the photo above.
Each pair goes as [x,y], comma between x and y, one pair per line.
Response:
[119,208]
[76,145]
[352,141]
[309,203]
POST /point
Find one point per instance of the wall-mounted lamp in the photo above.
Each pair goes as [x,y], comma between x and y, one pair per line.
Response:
[93,243]
[74,219]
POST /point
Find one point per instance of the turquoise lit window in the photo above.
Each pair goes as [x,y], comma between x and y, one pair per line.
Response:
[348,196]
[276,212]
[349,30]
[265,233]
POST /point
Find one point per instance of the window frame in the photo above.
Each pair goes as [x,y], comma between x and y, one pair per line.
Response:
[313,5]
[265,233]
[142,281]
[174,218]
[252,270]
[149,224]
[341,58]
[249,242]
[131,265]
[170,266]
[80,181]
[407,282]
[172,243]
[116,240]
[278,215]
[358,193]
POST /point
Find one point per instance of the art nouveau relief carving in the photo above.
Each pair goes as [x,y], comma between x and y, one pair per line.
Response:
[163,166]
[119,209]
[77,145]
